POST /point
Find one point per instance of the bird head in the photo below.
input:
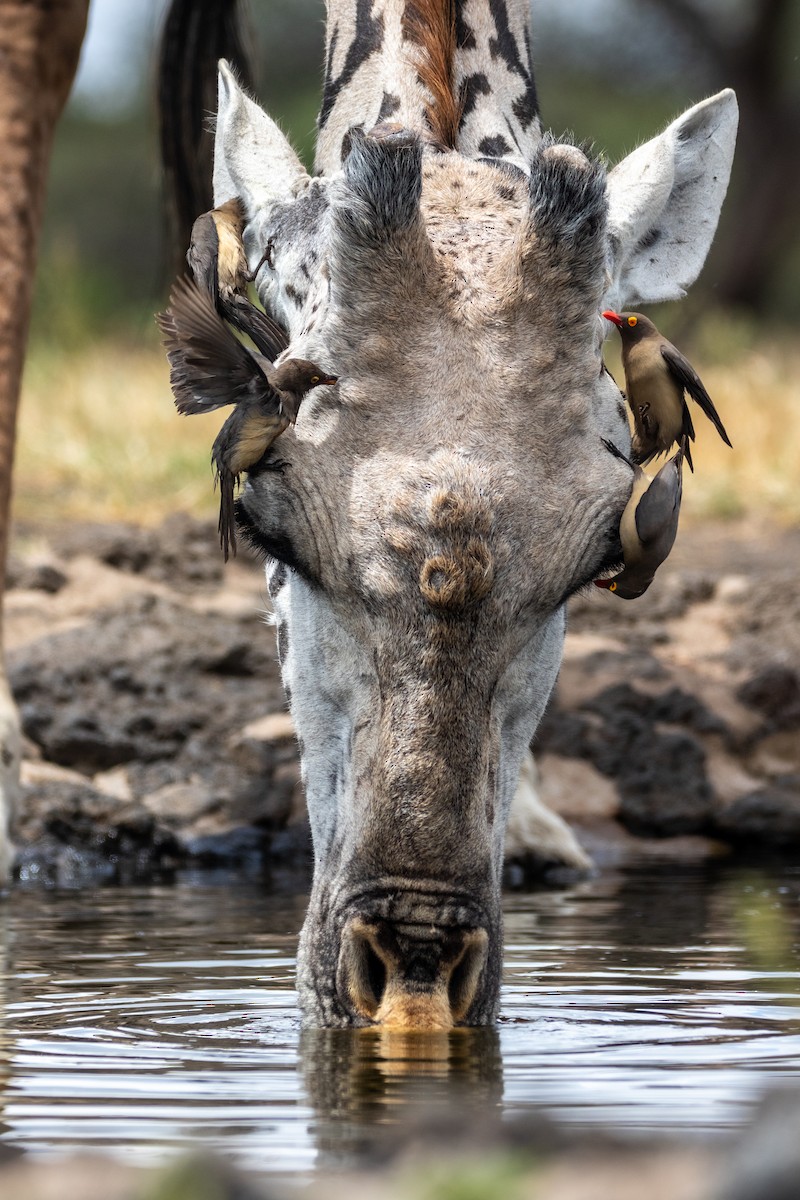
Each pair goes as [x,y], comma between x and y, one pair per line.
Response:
[623,588]
[298,375]
[632,326]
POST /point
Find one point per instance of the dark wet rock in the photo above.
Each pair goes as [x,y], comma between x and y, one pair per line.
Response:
[672,707]
[293,845]
[147,681]
[244,845]
[73,835]
[775,693]
[629,736]
[769,816]
[663,787]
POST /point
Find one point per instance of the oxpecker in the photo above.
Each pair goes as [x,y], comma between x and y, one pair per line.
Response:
[649,524]
[218,264]
[211,368]
[657,376]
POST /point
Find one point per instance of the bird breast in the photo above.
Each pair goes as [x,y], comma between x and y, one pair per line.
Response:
[649,383]
[255,435]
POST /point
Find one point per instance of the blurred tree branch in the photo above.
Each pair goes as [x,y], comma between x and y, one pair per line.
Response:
[762,209]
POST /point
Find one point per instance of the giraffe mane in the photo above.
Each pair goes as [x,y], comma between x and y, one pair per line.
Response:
[431,25]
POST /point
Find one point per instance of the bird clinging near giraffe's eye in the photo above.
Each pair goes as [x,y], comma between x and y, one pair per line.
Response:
[649,524]
[657,376]
[211,368]
[218,264]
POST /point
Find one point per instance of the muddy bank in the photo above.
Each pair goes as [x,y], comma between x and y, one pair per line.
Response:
[156,730]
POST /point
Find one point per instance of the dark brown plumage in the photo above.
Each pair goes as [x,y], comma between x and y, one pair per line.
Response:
[211,368]
[649,524]
[218,264]
[657,376]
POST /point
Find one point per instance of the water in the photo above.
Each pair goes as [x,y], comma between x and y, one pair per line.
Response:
[140,1021]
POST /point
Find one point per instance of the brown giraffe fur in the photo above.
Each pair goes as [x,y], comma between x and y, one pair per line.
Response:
[40,43]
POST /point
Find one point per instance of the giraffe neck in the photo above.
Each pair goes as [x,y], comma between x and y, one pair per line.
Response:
[457,71]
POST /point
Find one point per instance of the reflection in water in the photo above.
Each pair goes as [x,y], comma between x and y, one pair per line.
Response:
[361,1079]
[141,1020]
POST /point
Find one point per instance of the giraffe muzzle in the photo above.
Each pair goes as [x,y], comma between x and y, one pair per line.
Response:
[407,977]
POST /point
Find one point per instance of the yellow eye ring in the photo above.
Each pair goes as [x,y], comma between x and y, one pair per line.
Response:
[632,320]
[612,587]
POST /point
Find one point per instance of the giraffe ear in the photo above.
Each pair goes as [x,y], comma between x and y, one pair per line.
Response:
[664,204]
[252,158]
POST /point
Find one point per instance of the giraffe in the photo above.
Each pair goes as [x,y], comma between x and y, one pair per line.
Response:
[40,42]
[427,519]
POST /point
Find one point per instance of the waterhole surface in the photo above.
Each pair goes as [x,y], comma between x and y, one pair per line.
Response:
[142,1020]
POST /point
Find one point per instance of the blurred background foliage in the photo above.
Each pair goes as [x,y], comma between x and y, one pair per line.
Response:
[611,71]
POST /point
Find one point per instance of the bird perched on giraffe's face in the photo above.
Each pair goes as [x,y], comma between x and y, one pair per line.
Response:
[657,376]
[210,368]
[649,524]
[218,264]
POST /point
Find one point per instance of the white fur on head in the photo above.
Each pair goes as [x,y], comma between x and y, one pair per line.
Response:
[664,203]
[252,158]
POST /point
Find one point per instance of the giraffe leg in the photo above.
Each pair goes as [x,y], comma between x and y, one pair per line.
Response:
[534,832]
[40,42]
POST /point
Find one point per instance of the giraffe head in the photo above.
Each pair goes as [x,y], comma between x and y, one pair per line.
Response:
[431,516]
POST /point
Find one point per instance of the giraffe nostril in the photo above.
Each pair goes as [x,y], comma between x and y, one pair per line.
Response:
[464,980]
[376,973]
[362,969]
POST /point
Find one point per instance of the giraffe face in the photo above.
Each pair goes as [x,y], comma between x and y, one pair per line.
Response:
[429,520]
[425,521]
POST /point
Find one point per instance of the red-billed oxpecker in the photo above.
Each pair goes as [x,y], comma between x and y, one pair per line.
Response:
[211,368]
[657,376]
[218,264]
[649,524]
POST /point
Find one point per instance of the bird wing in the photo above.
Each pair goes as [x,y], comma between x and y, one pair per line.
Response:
[209,365]
[270,337]
[684,372]
[203,252]
[658,510]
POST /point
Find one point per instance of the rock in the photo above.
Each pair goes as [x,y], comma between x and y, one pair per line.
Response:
[179,804]
[115,782]
[770,816]
[35,575]
[34,773]
[774,692]
[663,786]
[576,790]
[254,747]
[147,682]
[276,727]
[243,846]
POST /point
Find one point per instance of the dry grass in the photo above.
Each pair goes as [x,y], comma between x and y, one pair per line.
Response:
[100,439]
